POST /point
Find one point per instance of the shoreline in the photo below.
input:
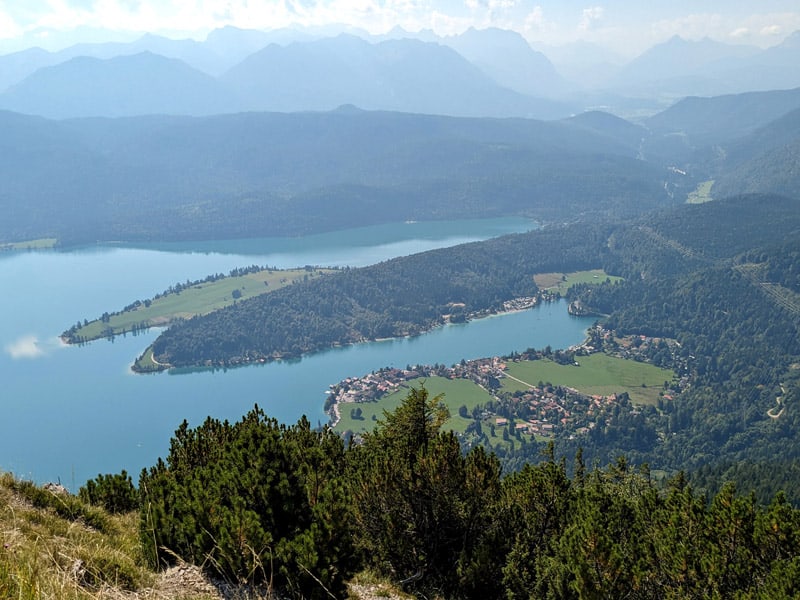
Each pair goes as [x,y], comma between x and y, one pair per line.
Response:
[514,305]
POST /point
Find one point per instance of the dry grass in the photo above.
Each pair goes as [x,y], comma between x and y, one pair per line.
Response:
[48,551]
[47,555]
[369,586]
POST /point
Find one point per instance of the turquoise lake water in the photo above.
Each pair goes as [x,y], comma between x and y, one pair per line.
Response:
[69,413]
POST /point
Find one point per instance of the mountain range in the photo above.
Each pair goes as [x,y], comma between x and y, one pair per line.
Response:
[251,174]
[403,75]
[680,67]
[490,72]
[270,173]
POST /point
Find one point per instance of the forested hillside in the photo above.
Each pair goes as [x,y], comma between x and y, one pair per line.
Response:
[766,160]
[743,142]
[269,174]
[399,297]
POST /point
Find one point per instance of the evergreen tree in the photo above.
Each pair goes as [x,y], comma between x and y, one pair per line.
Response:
[253,502]
[422,507]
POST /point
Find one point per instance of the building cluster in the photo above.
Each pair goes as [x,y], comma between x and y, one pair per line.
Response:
[541,410]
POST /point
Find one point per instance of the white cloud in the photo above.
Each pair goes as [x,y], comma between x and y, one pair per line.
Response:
[590,17]
[502,4]
[9,28]
[492,5]
[551,22]
[771,30]
[760,29]
[445,24]
[537,26]
[535,18]
[25,347]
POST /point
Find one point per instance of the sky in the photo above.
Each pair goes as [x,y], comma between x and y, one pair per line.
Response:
[626,26]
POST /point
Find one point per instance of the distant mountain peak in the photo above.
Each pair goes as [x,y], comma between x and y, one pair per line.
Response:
[348,109]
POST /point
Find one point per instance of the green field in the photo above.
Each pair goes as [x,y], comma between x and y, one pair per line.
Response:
[561,282]
[457,392]
[40,244]
[198,299]
[146,363]
[701,194]
[598,374]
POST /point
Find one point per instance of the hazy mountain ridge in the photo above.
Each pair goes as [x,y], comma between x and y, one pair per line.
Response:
[500,73]
[723,138]
[768,160]
[681,64]
[723,118]
[257,174]
[403,74]
[506,57]
[138,84]
[252,174]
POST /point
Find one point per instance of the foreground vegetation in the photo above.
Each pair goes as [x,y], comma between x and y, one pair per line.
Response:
[262,502]
[56,546]
[292,511]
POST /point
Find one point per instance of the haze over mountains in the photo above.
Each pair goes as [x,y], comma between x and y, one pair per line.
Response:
[489,72]
[268,173]
[290,132]
[254,174]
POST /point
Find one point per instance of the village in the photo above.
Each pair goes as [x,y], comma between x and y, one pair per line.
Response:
[537,409]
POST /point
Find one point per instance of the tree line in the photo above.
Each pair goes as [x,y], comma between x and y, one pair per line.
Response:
[300,512]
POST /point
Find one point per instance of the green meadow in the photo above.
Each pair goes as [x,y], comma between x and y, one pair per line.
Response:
[457,392]
[701,194]
[598,374]
[40,244]
[197,299]
[561,282]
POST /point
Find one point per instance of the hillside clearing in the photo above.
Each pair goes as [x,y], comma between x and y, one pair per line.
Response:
[561,282]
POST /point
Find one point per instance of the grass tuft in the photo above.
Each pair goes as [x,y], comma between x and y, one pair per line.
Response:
[52,545]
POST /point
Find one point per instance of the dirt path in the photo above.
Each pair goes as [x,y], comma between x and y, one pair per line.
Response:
[779,401]
[530,385]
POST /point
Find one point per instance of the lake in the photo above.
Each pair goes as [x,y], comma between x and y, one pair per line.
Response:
[69,413]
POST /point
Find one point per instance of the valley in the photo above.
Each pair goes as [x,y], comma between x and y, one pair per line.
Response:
[489,304]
